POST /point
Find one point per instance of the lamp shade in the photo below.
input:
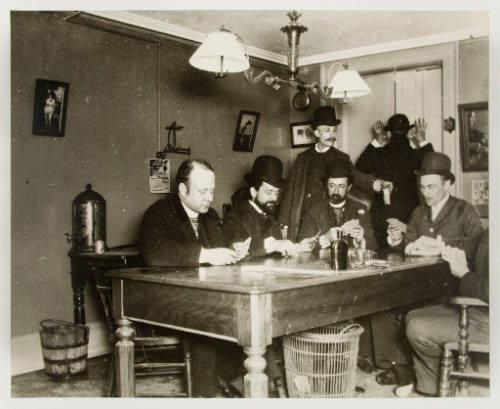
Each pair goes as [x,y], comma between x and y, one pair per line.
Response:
[348,84]
[220,44]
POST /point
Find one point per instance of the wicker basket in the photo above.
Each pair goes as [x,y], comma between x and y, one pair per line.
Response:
[321,363]
[64,347]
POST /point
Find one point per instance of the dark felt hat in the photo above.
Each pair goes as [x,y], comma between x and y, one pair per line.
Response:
[325,115]
[339,168]
[436,163]
[398,122]
[268,169]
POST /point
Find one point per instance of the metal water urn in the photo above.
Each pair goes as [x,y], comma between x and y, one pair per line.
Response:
[89,221]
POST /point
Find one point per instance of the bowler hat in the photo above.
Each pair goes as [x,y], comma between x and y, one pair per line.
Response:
[436,163]
[398,122]
[268,169]
[325,115]
[339,168]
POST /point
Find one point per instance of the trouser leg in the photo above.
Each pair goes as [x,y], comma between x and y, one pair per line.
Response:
[427,329]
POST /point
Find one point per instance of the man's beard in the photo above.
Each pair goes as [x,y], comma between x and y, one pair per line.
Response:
[269,207]
[335,198]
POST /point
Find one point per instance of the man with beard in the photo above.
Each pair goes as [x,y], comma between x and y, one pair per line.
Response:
[390,156]
[338,210]
[256,218]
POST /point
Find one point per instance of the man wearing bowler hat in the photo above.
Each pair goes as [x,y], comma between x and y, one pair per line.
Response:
[305,186]
[255,219]
[441,221]
[390,156]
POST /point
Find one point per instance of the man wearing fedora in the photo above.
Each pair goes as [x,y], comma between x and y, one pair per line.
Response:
[305,186]
[256,218]
[390,156]
[442,220]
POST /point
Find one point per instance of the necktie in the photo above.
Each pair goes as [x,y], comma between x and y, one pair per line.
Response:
[194,224]
[339,215]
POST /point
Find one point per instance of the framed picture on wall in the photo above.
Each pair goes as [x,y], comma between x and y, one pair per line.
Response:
[474,136]
[302,134]
[51,103]
[246,129]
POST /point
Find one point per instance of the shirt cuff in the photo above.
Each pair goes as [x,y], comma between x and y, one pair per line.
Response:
[375,143]
[323,242]
[269,244]
[420,145]
[393,243]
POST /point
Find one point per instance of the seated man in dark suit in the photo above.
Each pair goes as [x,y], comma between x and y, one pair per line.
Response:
[182,230]
[428,328]
[338,210]
[256,218]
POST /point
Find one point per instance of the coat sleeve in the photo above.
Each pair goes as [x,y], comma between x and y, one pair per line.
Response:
[411,230]
[233,228]
[309,227]
[476,283]
[368,158]
[362,180]
[162,242]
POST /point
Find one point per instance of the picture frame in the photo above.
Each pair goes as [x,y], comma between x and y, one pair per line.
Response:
[302,134]
[51,103]
[474,134]
[246,130]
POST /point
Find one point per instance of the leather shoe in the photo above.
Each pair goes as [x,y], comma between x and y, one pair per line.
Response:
[365,364]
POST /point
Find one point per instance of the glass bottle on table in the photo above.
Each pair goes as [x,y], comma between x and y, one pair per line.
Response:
[339,250]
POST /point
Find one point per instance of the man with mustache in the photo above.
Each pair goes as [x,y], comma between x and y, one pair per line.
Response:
[305,186]
[443,220]
[256,218]
[338,210]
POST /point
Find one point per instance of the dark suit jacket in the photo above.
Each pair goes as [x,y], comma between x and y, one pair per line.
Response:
[457,222]
[167,237]
[292,204]
[244,221]
[476,282]
[317,219]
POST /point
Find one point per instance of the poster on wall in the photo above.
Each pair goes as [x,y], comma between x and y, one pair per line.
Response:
[480,196]
[159,175]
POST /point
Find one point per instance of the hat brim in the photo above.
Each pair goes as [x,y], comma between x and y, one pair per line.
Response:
[447,174]
[386,128]
[279,183]
[329,123]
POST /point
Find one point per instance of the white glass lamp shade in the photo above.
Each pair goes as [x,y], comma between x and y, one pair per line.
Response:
[220,44]
[348,84]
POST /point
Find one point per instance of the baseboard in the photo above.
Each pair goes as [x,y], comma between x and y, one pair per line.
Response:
[26,350]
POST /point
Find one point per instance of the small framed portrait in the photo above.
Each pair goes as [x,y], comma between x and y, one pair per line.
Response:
[474,136]
[51,103]
[302,134]
[246,129]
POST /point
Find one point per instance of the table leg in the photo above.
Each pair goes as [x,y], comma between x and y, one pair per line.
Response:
[255,381]
[78,304]
[124,354]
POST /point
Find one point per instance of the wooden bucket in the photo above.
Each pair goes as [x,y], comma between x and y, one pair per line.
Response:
[64,347]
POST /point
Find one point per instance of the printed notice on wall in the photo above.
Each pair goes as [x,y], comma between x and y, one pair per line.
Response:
[480,192]
[159,175]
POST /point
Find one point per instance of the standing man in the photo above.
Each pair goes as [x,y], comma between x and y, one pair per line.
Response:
[305,186]
[442,221]
[256,218]
[338,210]
[390,156]
[182,230]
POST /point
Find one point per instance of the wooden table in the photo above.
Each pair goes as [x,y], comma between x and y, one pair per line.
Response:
[84,264]
[251,307]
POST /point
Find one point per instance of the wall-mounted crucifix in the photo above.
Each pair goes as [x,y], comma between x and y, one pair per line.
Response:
[172,142]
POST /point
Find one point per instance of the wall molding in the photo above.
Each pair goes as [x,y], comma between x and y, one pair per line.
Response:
[178,31]
[192,35]
[26,350]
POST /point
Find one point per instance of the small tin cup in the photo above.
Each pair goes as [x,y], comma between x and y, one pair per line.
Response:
[100,247]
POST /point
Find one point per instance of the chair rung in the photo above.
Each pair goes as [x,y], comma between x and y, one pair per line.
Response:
[470,375]
[159,365]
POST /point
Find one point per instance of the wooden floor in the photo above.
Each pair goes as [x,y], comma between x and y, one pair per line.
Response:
[93,384]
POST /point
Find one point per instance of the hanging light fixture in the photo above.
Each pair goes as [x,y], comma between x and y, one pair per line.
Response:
[225,52]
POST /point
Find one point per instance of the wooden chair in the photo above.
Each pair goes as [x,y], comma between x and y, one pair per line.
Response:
[463,370]
[149,348]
